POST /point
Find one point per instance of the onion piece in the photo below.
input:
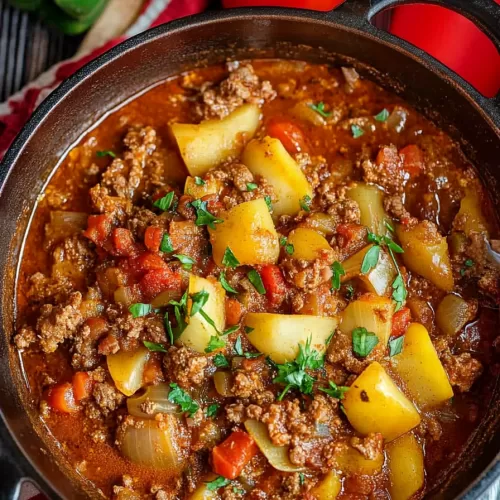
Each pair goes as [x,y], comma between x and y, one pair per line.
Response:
[276,455]
[126,295]
[453,313]
[156,397]
[127,368]
[64,224]
[164,298]
[397,119]
[303,111]
[351,76]
[222,381]
[154,444]
[236,362]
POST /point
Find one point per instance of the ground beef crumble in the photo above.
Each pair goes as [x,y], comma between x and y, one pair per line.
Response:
[184,366]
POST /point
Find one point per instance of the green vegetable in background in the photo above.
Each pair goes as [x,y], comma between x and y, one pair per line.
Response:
[70,16]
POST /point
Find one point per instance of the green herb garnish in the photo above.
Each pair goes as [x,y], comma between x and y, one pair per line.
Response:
[166,244]
[225,284]
[203,216]
[165,203]
[249,329]
[212,410]
[229,259]
[329,338]
[238,347]
[186,261]
[357,131]
[251,186]
[256,281]
[349,292]
[106,152]
[218,482]
[199,181]
[370,260]
[396,346]
[288,246]
[153,346]
[320,109]
[305,203]
[269,203]
[137,310]
[337,271]
[382,116]
[183,399]
[363,342]
[467,263]
[335,391]
[220,361]
[214,344]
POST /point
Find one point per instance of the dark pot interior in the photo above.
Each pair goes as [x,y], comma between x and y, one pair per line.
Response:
[167,50]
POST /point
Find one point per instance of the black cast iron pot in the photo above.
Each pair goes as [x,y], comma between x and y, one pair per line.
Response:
[343,36]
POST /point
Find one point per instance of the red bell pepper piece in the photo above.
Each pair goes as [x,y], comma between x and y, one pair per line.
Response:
[152,238]
[400,322]
[413,160]
[98,228]
[274,283]
[82,385]
[288,133]
[123,242]
[159,280]
[231,456]
[61,398]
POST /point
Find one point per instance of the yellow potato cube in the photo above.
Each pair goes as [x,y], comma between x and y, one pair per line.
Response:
[126,369]
[369,199]
[307,243]
[374,403]
[211,186]
[351,462]
[328,488]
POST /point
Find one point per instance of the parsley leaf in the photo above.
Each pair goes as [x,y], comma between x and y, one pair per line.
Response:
[256,281]
[251,186]
[225,284]
[229,259]
[199,181]
[168,327]
[396,346]
[467,263]
[335,391]
[398,291]
[288,246]
[357,131]
[186,261]
[166,244]
[238,347]
[350,292]
[218,482]
[388,225]
[363,341]
[183,399]
[153,346]
[137,310]
[329,338]
[230,330]
[214,343]
[337,271]
[293,374]
[305,203]
[370,260]
[302,479]
[382,116]
[106,152]
[220,361]
[203,216]
[320,109]
[269,203]
[212,410]
[165,203]
[249,329]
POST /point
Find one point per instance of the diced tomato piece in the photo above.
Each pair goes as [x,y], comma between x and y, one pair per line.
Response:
[82,385]
[159,280]
[153,237]
[147,262]
[123,242]
[231,456]
[290,134]
[61,398]
[214,206]
[97,327]
[98,228]
[413,160]
[349,233]
[274,283]
[233,311]
[389,159]
[400,322]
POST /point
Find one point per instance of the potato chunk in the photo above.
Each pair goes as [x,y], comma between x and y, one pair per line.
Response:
[127,368]
[369,199]
[328,488]
[307,243]
[279,335]
[212,142]
[198,331]
[248,230]
[406,467]
[210,186]
[471,215]
[421,370]
[374,403]
[351,462]
[269,159]
[426,253]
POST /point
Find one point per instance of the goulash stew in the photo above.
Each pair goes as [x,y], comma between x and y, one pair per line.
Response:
[270,280]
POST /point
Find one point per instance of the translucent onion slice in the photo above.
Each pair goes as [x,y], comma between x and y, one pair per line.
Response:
[154,444]
[453,313]
[156,397]
[222,382]
[64,224]
[164,298]
[127,368]
[276,455]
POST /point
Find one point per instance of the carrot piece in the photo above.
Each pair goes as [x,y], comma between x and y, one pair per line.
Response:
[233,311]
[61,398]
[400,322]
[290,135]
[413,159]
[152,238]
[274,283]
[82,385]
[231,456]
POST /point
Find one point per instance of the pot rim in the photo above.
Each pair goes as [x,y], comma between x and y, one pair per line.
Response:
[342,18]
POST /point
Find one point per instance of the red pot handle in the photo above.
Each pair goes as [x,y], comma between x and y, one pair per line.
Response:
[321,5]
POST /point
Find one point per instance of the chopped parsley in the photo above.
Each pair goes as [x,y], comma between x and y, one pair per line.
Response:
[220,361]
[320,109]
[183,399]
[302,479]
[218,482]
[166,203]
[153,346]
[370,260]
[203,216]
[230,330]
[212,410]
[467,263]
[293,374]
[199,299]
[199,181]
[363,342]
[396,346]
[305,203]
[269,203]
[106,152]
[337,271]
[349,292]
[166,244]
[357,131]
[237,346]
[214,343]
[288,246]
[249,329]
[329,338]
[225,284]
[137,310]
[382,116]
[186,261]
[256,281]
[229,259]
[335,391]
[251,186]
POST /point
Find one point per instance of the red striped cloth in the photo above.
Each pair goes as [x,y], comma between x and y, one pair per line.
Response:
[16,111]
